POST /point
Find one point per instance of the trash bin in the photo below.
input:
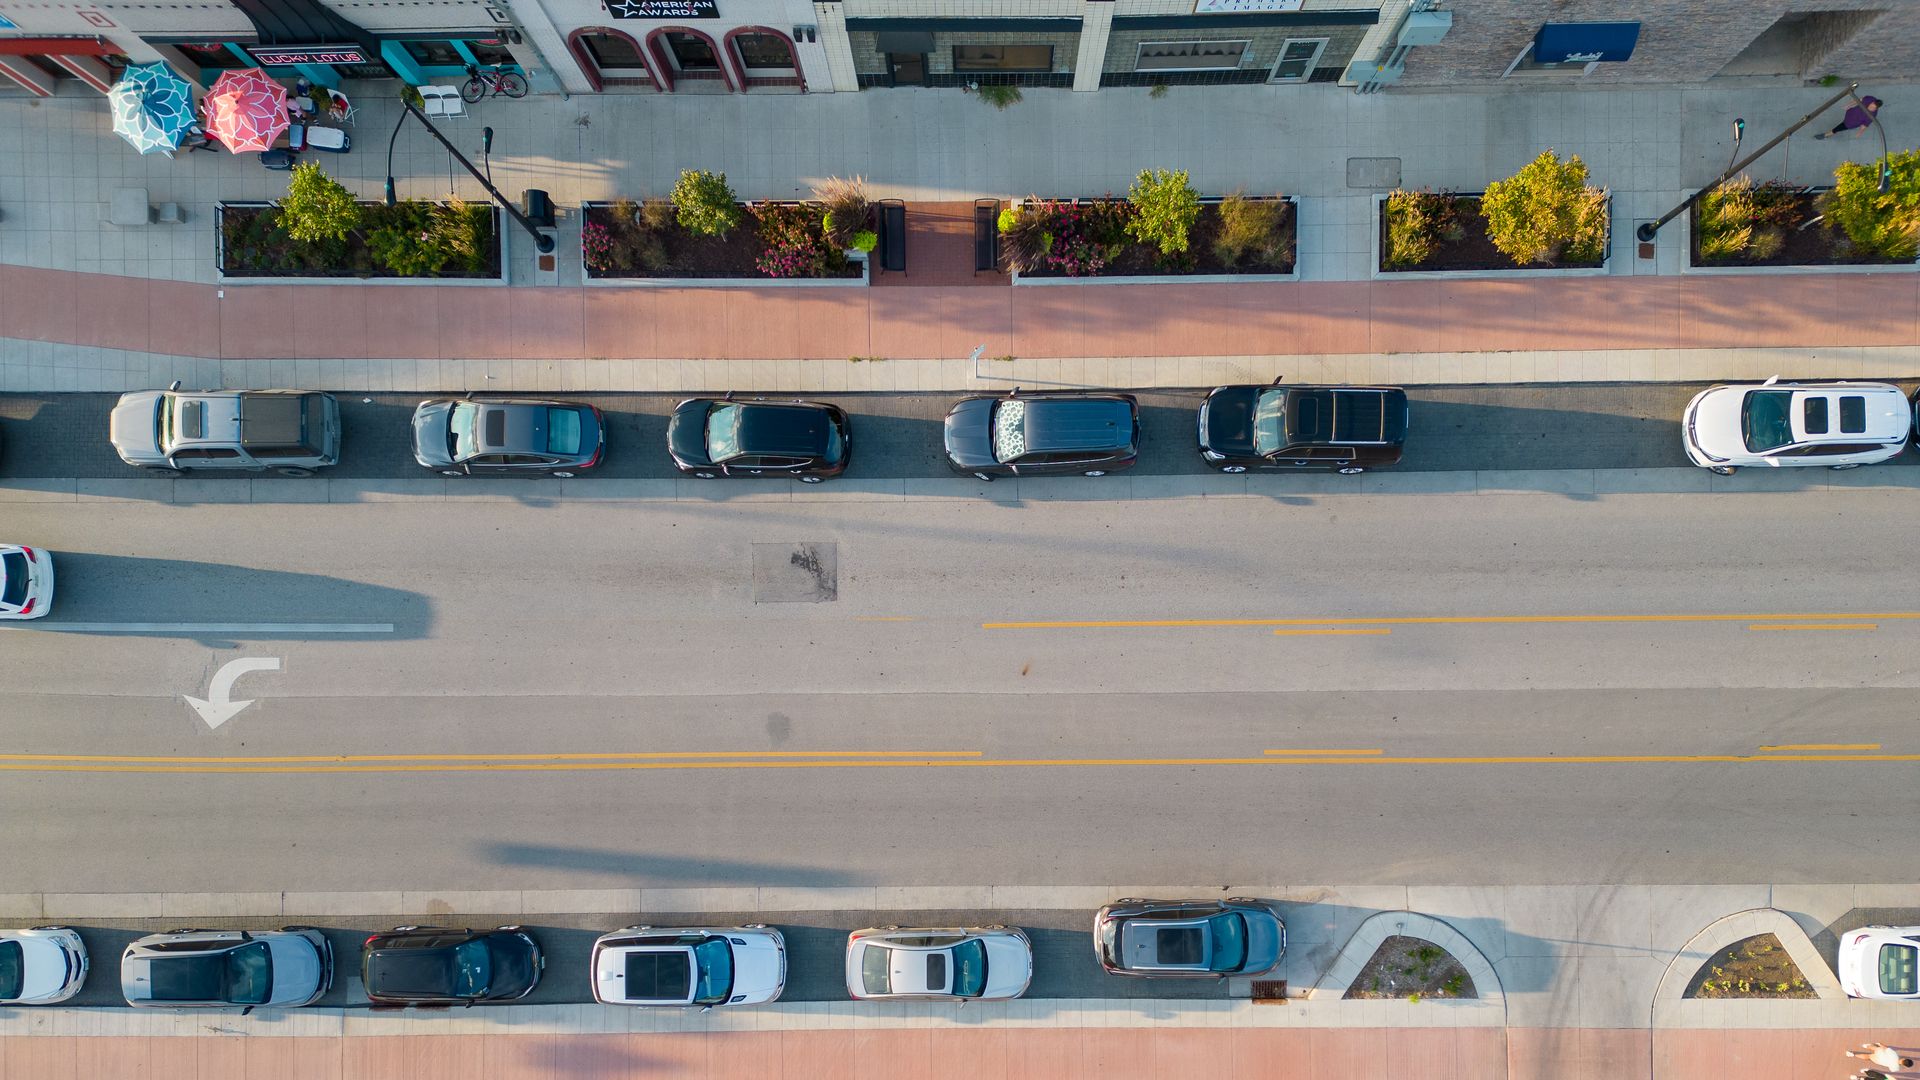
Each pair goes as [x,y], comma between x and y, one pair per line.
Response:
[538,206]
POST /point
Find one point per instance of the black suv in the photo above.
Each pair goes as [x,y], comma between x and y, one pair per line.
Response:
[434,965]
[807,440]
[1348,429]
[1050,434]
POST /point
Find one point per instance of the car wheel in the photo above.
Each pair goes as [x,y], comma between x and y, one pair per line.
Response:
[706,475]
[1720,470]
[562,474]
[1094,472]
[1303,463]
[293,470]
[983,476]
[1233,468]
[812,479]
[451,472]
[1351,470]
[1854,465]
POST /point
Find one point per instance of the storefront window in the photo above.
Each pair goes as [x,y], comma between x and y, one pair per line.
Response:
[491,52]
[434,53]
[611,53]
[212,56]
[1003,58]
[1190,55]
[691,52]
[764,51]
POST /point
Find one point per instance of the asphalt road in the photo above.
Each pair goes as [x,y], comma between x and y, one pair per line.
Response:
[615,694]
[1538,426]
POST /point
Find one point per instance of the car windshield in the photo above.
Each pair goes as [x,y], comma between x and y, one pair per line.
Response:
[876,969]
[13,579]
[165,427]
[472,968]
[1009,430]
[723,432]
[1766,420]
[13,970]
[250,974]
[715,961]
[463,439]
[1270,422]
[563,431]
[1229,934]
[1897,975]
[969,969]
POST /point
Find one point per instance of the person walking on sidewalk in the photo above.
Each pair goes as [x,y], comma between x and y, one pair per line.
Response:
[1882,1055]
[1858,118]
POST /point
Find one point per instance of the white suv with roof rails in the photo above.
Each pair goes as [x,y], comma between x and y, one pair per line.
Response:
[689,966]
[292,432]
[1840,425]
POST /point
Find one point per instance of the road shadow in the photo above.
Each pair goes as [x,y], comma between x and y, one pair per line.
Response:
[93,588]
[633,869]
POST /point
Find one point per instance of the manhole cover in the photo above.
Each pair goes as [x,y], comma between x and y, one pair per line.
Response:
[1373,172]
[795,573]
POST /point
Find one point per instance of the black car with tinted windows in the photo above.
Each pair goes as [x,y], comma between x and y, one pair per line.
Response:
[1347,429]
[432,965]
[713,437]
[1047,434]
[512,437]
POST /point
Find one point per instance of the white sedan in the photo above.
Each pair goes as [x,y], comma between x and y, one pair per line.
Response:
[1838,425]
[1881,962]
[26,582]
[689,966]
[991,963]
[41,966]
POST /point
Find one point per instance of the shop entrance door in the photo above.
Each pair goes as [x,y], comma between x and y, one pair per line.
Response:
[907,69]
[1297,59]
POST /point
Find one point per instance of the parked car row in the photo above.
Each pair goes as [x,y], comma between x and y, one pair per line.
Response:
[639,965]
[295,432]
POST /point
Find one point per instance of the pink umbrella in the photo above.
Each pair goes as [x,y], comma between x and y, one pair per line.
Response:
[247,110]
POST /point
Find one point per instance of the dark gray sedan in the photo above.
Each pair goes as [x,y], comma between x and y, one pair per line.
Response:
[1193,939]
[1050,434]
[513,437]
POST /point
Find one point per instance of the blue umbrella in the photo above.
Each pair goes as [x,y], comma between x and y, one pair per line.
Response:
[152,108]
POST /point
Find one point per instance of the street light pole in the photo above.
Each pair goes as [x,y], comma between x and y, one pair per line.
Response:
[541,241]
[1646,231]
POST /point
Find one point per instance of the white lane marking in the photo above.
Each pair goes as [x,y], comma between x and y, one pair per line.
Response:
[219,706]
[219,628]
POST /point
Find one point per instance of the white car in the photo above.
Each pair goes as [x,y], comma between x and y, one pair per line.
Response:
[1881,962]
[689,966]
[990,963]
[1838,425]
[26,582]
[41,966]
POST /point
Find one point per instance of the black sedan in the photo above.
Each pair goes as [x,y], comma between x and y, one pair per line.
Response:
[431,965]
[806,440]
[515,437]
[1050,434]
[1347,429]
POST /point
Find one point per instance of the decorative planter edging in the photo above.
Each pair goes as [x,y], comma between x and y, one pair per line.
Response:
[1373,263]
[866,274]
[1366,938]
[219,252]
[1687,265]
[1178,279]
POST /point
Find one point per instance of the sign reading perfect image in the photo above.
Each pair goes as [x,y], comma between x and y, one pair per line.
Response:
[664,9]
[1222,7]
[282,55]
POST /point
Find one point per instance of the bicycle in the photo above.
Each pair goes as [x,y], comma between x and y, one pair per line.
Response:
[510,83]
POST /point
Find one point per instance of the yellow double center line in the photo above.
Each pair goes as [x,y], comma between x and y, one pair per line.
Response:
[1850,621]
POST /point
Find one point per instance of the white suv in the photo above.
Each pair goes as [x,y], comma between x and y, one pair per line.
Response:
[1881,962]
[1839,425]
[26,582]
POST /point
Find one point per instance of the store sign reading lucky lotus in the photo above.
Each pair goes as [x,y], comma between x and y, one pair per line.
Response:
[664,9]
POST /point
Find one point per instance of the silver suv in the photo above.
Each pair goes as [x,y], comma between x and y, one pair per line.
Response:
[292,432]
[283,968]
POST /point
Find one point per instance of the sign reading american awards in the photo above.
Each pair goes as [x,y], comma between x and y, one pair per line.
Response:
[664,9]
[1223,7]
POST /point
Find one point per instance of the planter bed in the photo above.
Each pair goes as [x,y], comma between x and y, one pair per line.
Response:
[1137,262]
[246,249]
[1472,253]
[689,258]
[1817,246]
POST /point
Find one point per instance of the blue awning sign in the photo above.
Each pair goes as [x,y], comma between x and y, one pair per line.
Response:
[1585,43]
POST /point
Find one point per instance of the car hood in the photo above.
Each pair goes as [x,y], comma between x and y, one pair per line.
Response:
[134,426]
[430,433]
[44,968]
[298,970]
[1229,426]
[969,433]
[759,970]
[687,432]
[1009,966]
[1716,422]
[1266,940]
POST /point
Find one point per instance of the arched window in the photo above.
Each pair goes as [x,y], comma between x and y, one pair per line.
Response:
[609,57]
[681,52]
[765,57]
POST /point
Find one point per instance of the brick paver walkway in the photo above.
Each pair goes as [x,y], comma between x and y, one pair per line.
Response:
[1287,319]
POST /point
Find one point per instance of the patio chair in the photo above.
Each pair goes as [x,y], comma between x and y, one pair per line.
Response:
[444,101]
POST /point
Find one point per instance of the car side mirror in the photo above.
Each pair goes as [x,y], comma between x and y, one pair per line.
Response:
[174,385]
[1276,380]
[246,1010]
[706,1008]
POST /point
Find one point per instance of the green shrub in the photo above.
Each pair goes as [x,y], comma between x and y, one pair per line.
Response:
[1000,95]
[316,207]
[865,240]
[1253,230]
[1024,239]
[705,204]
[1881,225]
[420,239]
[1165,207]
[1547,213]
[1744,220]
[847,208]
[1418,222]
